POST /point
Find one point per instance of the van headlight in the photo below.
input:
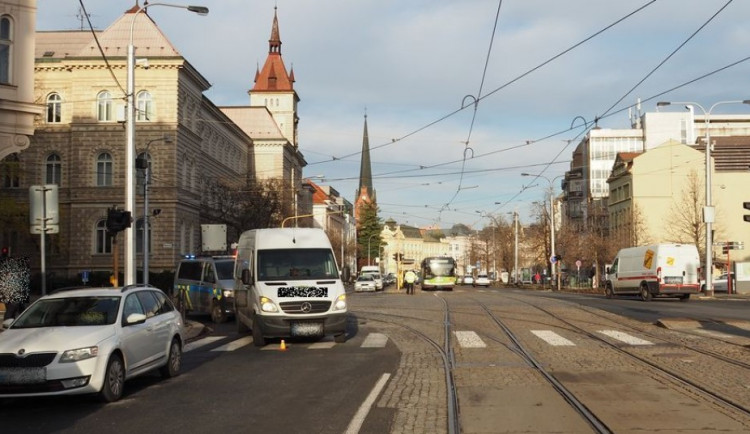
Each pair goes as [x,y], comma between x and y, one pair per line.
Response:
[228,293]
[340,303]
[267,305]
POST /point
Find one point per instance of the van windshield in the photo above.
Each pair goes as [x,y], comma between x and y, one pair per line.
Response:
[297,264]
[224,269]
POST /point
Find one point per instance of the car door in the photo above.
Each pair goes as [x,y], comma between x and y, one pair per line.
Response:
[157,323]
[136,338]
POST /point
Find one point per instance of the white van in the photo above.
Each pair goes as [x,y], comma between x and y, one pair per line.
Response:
[287,284]
[669,270]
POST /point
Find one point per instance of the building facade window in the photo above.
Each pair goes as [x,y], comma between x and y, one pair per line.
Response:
[6,49]
[54,108]
[53,170]
[104,106]
[10,167]
[103,242]
[144,106]
[104,170]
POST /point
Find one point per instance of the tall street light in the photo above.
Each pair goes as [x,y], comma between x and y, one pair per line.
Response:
[368,248]
[551,222]
[144,164]
[515,248]
[494,243]
[708,210]
[130,139]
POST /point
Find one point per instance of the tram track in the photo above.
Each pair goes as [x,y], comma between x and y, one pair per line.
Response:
[682,380]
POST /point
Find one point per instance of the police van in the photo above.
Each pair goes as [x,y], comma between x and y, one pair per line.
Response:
[205,285]
[287,284]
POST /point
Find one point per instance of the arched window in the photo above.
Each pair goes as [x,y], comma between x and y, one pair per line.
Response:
[103,241]
[54,108]
[104,106]
[6,49]
[10,167]
[144,105]
[53,173]
[104,170]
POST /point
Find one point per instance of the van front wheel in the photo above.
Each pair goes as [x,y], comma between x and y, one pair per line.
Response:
[608,292]
[217,313]
[258,339]
[645,293]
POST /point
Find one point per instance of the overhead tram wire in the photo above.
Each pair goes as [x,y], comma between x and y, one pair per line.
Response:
[476,108]
[101,50]
[646,77]
[454,112]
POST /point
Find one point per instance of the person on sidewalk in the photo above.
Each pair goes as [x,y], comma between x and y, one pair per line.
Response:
[410,277]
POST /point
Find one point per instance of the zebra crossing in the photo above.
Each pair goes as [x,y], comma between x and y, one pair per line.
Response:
[464,338]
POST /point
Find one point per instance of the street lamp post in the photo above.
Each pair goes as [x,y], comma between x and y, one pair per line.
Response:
[130,139]
[708,210]
[144,164]
[494,242]
[551,222]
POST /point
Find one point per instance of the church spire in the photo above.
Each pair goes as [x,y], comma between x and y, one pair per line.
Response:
[274,44]
[365,194]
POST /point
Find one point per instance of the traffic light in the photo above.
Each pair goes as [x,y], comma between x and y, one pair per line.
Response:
[117,220]
[746,205]
[5,252]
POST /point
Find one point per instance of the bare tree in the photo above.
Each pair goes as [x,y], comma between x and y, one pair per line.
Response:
[686,216]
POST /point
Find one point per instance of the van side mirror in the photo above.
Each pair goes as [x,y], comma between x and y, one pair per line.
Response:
[607,270]
[246,277]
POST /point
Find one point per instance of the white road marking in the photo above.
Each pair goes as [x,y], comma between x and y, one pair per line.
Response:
[469,339]
[239,343]
[321,345]
[200,343]
[364,409]
[624,337]
[375,340]
[552,338]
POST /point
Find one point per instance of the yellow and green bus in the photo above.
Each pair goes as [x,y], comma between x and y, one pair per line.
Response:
[438,272]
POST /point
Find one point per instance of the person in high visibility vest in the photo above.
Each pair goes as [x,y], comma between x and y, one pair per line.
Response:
[410,277]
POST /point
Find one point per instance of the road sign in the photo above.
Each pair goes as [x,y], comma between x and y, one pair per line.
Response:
[553,259]
[85,276]
[578,263]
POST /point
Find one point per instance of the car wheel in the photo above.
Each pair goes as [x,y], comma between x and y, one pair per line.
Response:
[340,338]
[645,293]
[114,379]
[218,315]
[258,339]
[174,360]
[608,291]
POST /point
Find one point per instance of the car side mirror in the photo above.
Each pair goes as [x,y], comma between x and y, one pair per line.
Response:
[135,318]
[246,276]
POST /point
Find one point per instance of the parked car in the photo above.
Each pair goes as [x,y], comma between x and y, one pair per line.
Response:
[482,280]
[365,282]
[90,340]
[389,279]
[468,280]
[720,283]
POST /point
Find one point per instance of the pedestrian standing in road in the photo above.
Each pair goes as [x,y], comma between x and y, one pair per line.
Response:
[410,277]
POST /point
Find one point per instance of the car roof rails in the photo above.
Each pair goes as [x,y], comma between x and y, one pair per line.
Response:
[69,288]
[137,285]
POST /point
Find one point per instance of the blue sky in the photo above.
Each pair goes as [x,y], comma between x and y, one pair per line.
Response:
[412,64]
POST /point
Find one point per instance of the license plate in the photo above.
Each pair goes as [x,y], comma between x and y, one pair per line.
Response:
[673,279]
[10,376]
[307,329]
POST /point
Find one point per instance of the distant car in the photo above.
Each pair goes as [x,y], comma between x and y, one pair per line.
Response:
[468,280]
[389,279]
[482,280]
[720,283]
[90,340]
[365,282]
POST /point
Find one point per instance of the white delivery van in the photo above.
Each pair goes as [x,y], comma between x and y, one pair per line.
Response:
[287,284]
[657,270]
